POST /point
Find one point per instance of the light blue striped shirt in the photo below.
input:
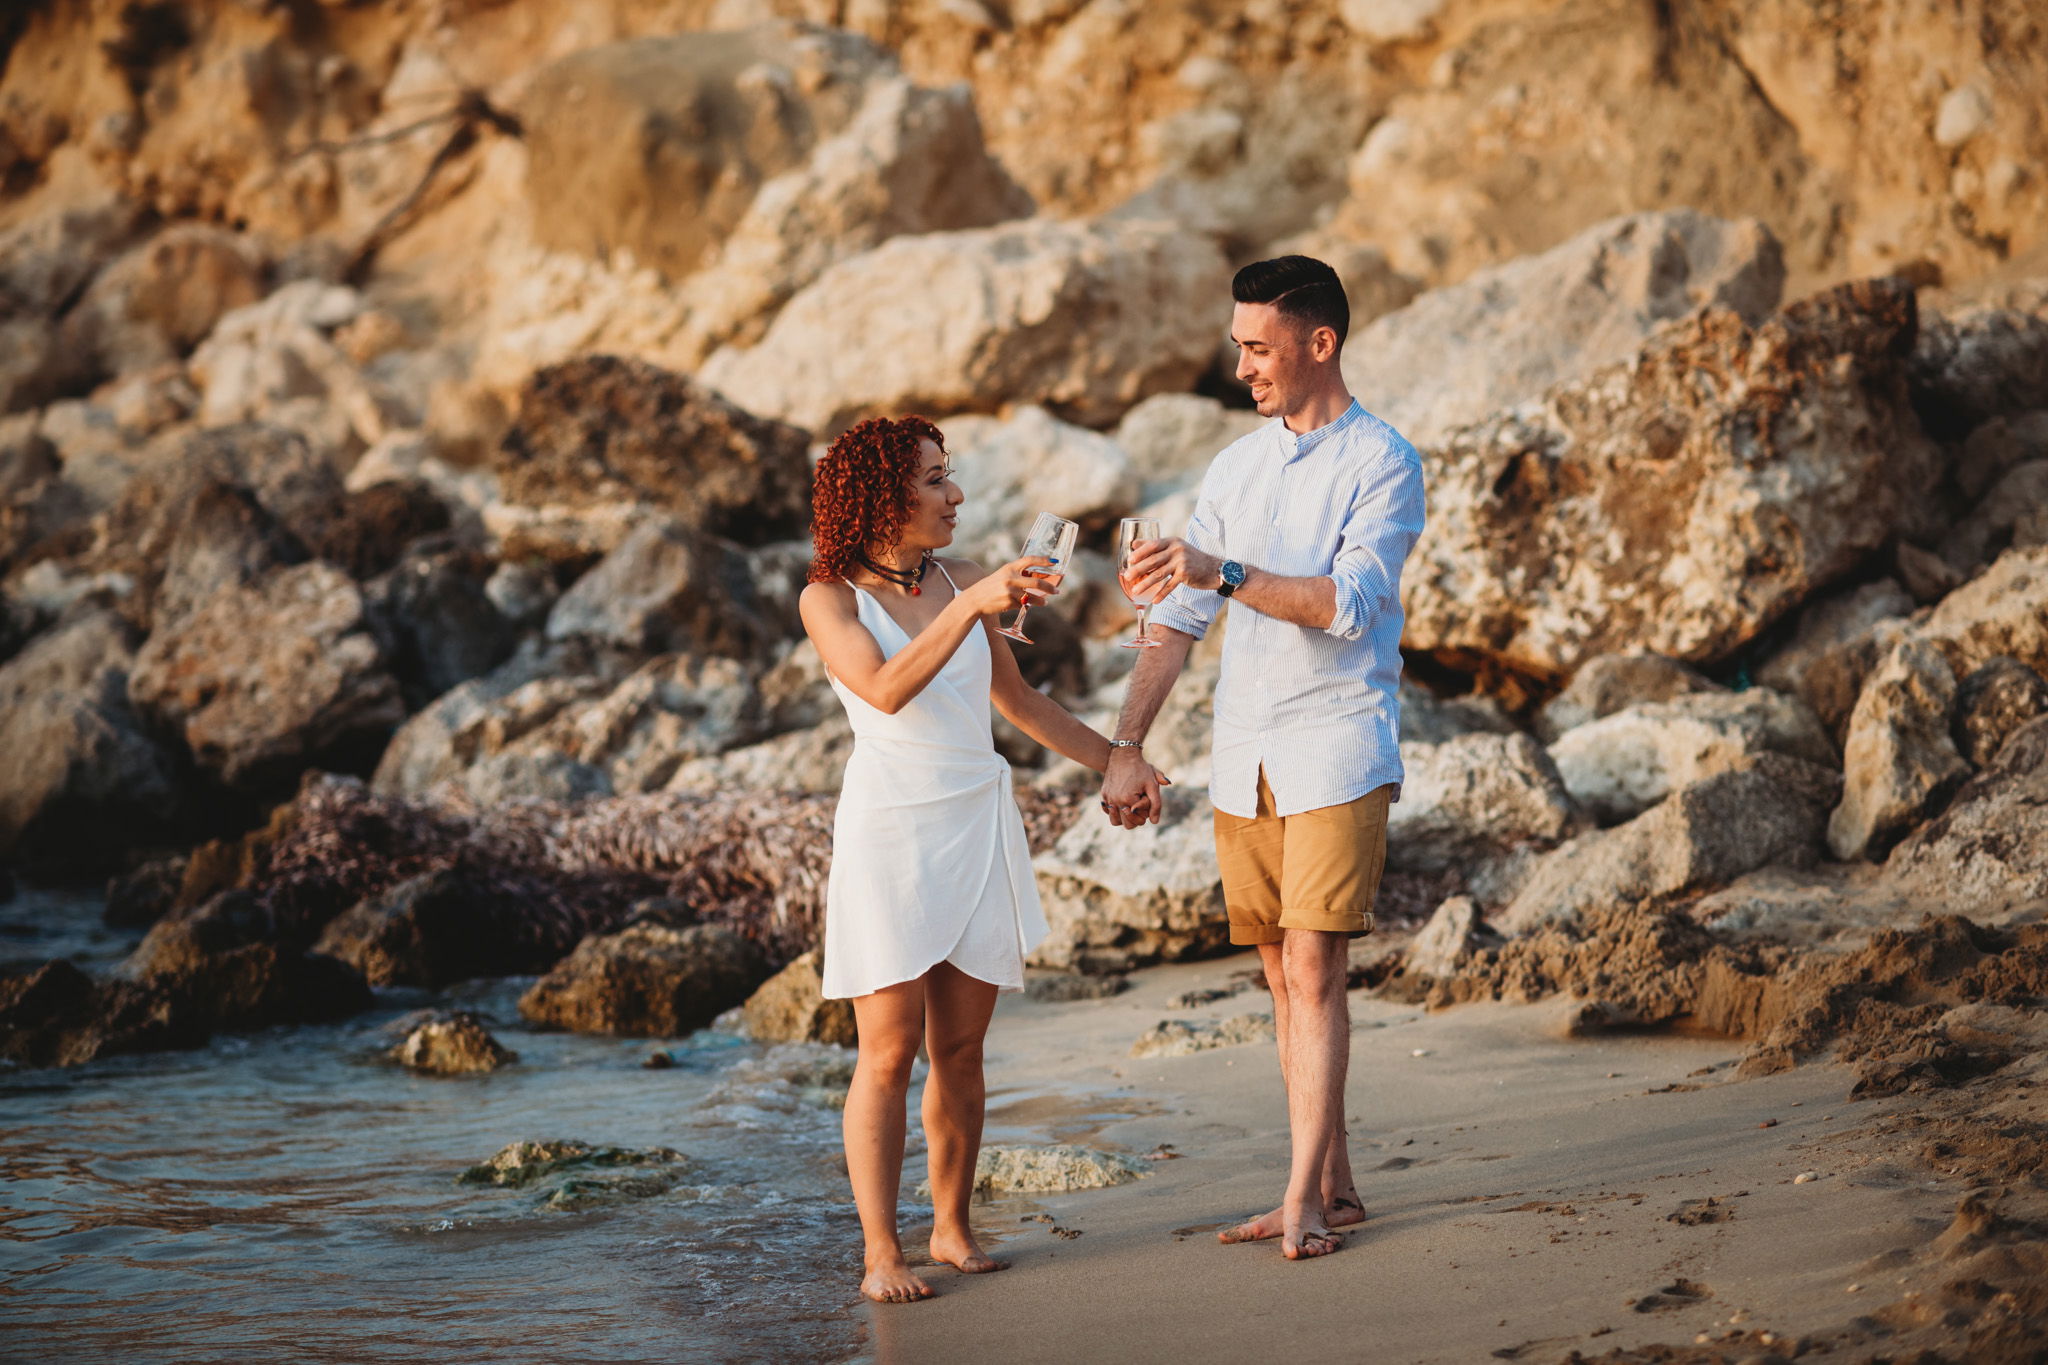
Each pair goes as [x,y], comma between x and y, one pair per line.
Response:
[1318,709]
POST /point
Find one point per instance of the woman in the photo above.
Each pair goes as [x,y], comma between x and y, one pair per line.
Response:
[931,906]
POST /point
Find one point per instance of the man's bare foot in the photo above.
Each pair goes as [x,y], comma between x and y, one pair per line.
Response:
[890,1281]
[964,1254]
[1344,1211]
[1309,1242]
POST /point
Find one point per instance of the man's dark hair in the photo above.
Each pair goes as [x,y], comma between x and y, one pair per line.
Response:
[1301,287]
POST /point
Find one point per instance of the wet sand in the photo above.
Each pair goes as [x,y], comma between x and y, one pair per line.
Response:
[1531,1195]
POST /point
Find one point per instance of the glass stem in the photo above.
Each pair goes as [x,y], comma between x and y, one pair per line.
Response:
[1022,609]
[1143,612]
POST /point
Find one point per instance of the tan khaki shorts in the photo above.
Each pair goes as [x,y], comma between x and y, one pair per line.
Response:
[1316,870]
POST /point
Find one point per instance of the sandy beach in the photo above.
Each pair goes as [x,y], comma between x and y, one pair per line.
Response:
[1531,1197]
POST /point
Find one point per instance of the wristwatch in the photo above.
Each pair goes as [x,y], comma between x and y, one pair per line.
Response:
[1233,577]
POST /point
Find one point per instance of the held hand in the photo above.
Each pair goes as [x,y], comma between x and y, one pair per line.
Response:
[1130,790]
[1009,586]
[1171,562]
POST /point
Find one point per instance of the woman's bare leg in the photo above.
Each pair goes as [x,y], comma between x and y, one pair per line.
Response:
[891,1024]
[957,1010]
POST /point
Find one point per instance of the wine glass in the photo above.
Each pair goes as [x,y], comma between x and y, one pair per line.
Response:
[1129,532]
[1053,537]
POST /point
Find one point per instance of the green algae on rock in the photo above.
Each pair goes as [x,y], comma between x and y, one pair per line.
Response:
[590,1177]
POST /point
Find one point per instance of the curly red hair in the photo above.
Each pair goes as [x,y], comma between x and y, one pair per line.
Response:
[861,490]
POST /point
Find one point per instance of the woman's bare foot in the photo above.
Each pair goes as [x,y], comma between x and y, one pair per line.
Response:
[1344,1211]
[889,1281]
[964,1254]
[1308,1242]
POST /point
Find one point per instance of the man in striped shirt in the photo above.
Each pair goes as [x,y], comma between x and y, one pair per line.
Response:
[1305,524]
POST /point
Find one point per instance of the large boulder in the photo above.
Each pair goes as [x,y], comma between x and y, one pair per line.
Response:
[1900,761]
[1619,766]
[276,361]
[80,778]
[1679,502]
[665,588]
[1116,899]
[1989,849]
[1171,439]
[450,1043]
[647,981]
[1978,365]
[602,429]
[1085,319]
[442,625]
[264,679]
[1762,810]
[2001,612]
[1991,703]
[1480,804]
[1509,333]
[2013,513]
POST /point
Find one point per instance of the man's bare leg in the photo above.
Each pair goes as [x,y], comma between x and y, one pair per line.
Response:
[1339,1187]
[957,1010]
[891,1025]
[1318,1052]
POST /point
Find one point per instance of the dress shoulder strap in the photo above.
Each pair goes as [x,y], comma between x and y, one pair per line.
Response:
[939,564]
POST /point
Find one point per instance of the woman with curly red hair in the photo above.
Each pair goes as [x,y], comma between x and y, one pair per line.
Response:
[931,906]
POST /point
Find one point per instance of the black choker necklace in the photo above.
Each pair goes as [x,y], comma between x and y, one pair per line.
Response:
[902,578]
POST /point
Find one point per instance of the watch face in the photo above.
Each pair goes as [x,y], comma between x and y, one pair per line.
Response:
[1233,573]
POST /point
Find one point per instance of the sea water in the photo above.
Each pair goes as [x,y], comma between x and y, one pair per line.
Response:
[290,1194]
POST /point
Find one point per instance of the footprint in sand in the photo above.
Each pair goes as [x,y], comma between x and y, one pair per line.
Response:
[1677,1294]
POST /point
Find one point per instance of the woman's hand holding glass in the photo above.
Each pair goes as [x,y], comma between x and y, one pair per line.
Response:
[1052,538]
[1018,582]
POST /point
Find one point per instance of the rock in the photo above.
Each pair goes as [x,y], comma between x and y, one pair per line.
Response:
[567,1176]
[1184,1038]
[264,679]
[522,593]
[442,625]
[1899,761]
[1116,899]
[808,760]
[1997,446]
[56,1015]
[1479,804]
[1065,987]
[1832,650]
[1030,462]
[441,927]
[647,981]
[790,1008]
[1621,765]
[1983,363]
[158,300]
[223,965]
[80,779]
[1391,21]
[378,522]
[451,1043]
[273,361]
[1992,702]
[1788,450]
[533,775]
[1924,573]
[1454,933]
[1989,849]
[139,898]
[602,429]
[667,588]
[1459,354]
[2001,612]
[1762,810]
[2014,512]
[1171,438]
[1429,719]
[1082,319]
[1052,1170]
[1614,682]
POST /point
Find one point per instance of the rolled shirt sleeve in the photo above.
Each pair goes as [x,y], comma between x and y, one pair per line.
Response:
[1385,521]
[1192,611]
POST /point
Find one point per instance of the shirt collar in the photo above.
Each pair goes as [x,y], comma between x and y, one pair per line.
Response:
[1297,446]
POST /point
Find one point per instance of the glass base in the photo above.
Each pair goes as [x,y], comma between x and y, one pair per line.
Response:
[1141,642]
[1012,633]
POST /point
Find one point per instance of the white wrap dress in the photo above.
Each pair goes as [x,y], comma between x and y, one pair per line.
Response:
[929,859]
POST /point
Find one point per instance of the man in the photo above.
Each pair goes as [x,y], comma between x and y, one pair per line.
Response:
[1304,524]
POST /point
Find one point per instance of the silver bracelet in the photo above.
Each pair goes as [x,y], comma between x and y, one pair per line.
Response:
[1127,744]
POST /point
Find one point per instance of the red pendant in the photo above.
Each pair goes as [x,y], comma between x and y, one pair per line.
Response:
[916,590]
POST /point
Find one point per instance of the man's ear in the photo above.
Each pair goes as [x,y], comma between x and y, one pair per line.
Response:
[1322,344]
